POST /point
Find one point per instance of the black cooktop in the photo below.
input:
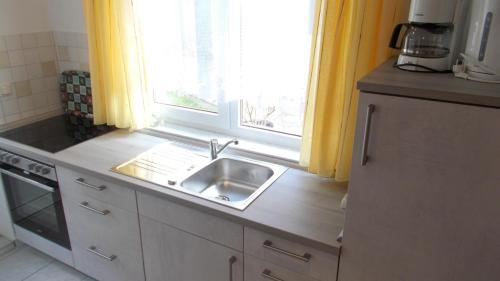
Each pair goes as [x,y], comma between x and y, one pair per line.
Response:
[56,133]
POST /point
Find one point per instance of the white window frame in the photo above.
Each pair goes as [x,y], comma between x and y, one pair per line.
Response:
[226,121]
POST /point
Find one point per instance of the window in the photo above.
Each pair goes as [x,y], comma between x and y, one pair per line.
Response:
[234,66]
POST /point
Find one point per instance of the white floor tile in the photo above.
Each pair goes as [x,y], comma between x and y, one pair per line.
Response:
[56,272]
[22,263]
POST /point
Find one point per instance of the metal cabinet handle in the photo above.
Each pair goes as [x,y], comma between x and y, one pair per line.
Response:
[267,274]
[95,251]
[86,205]
[82,181]
[366,137]
[306,257]
[232,260]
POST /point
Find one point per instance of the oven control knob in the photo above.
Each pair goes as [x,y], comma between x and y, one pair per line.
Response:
[31,166]
[15,160]
[38,168]
[7,157]
[45,171]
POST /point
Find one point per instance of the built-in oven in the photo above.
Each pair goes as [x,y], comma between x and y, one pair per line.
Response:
[33,196]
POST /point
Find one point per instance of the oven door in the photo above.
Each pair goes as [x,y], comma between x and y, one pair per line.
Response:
[35,204]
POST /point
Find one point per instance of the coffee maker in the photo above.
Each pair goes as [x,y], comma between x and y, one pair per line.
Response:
[433,36]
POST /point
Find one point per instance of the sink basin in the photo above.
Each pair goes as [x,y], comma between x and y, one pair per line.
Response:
[232,182]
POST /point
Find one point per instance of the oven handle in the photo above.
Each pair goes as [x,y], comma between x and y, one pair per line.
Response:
[30,181]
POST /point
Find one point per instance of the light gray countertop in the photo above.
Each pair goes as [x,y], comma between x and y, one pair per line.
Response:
[440,87]
[298,205]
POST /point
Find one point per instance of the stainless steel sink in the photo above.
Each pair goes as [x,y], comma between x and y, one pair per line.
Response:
[232,182]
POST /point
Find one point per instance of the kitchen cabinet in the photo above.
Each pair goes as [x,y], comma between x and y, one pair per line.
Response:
[104,229]
[286,258]
[423,195]
[172,254]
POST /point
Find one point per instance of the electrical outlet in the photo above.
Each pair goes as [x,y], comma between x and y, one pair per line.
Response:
[5,89]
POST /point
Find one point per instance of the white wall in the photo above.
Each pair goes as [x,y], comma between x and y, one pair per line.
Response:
[66,15]
[29,16]
[24,16]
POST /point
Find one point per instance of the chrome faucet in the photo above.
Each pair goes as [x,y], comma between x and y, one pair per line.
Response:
[215,150]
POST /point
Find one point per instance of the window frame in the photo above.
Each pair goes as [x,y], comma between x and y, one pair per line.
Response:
[226,121]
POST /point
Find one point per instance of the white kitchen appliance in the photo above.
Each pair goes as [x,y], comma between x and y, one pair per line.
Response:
[481,60]
[434,35]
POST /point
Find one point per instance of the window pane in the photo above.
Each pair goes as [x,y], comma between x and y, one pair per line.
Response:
[275,54]
[184,43]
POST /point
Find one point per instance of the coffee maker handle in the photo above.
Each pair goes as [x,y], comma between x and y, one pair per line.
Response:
[395,36]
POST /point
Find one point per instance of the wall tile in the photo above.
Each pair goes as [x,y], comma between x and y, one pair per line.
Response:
[63,53]
[53,98]
[10,107]
[4,60]
[45,39]
[3,46]
[19,73]
[40,100]
[22,88]
[13,42]
[5,75]
[16,58]
[31,56]
[37,86]
[25,104]
[49,68]
[28,40]
[51,83]
[34,71]
[47,54]
[13,118]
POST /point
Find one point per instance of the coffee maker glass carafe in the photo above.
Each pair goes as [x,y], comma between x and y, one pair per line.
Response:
[423,40]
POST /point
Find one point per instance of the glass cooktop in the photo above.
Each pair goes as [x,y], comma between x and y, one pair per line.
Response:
[56,133]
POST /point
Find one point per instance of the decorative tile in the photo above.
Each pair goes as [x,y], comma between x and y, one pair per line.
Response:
[76,94]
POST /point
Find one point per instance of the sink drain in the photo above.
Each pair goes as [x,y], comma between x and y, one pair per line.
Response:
[223,198]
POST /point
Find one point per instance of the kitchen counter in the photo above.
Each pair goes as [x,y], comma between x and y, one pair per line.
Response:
[440,87]
[298,205]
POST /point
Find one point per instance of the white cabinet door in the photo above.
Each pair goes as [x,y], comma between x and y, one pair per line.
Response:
[426,205]
[171,254]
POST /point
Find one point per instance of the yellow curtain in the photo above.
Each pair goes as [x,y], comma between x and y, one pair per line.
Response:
[351,39]
[119,92]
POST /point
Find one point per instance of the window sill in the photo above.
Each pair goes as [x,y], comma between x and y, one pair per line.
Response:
[245,148]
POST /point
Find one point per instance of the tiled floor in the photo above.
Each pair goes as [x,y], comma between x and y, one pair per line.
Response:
[27,264]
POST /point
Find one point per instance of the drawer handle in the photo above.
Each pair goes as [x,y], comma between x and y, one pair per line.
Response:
[86,205]
[95,251]
[306,257]
[366,136]
[232,260]
[267,274]
[82,181]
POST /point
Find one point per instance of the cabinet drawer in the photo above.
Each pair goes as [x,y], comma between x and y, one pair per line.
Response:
[259,270]
[291,255]
[207,226]
[73,184]
[113,231]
